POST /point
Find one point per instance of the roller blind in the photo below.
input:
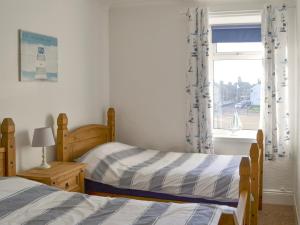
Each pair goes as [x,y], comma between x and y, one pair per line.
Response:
[236,33]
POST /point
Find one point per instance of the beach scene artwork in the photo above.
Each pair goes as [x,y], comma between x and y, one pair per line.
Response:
[38,57]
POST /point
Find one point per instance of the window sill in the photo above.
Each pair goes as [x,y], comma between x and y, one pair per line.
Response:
[247,136]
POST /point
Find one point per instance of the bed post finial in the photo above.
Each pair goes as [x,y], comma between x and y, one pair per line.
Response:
[245,185]
[260,136]
[62,121]
[260,142]
[111,123]
[62,153]
[8,142]
[255,177]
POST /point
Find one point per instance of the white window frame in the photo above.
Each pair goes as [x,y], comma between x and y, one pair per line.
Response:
[234,55]
[243,135]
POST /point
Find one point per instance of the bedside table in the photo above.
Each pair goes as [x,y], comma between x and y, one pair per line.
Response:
[68,176]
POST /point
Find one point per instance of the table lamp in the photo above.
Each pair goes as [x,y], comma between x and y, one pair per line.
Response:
[43,137]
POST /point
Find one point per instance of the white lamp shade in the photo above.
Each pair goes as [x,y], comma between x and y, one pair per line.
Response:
[43,137]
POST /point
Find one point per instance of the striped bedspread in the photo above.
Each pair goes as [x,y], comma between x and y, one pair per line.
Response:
[30,203]
[181,174]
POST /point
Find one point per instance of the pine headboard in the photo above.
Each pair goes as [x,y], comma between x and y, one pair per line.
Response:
[73,144]
[7,148]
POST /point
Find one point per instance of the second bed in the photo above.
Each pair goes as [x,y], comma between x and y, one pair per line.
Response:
[116,169]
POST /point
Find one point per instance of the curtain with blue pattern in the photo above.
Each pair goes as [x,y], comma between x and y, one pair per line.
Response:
[276,110]
[198,124]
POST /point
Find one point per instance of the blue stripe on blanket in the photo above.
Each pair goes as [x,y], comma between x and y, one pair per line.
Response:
[128,175]
[23,198]
[157,181]
[202,215]
[103,213]
[191,178]
[110,159]
[222,185]
[152,214]
[57,211]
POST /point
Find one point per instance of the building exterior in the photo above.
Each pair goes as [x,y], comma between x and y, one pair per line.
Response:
[255,94]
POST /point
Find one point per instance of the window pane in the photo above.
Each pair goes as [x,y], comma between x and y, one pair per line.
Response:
[240,47]
[237,85]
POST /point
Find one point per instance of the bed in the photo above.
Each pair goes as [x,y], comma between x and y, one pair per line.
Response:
[28,202]
[72,145]
[7,148]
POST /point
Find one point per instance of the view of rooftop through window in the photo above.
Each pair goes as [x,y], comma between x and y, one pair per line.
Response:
[236,86]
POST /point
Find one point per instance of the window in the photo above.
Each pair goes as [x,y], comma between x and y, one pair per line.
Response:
[236,72]
[239,47]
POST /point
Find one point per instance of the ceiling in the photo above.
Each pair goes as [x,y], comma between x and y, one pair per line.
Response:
[206,2]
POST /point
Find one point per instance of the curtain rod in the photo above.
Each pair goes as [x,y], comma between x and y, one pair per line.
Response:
[236,12]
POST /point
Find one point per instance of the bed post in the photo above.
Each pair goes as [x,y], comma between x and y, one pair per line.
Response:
[8,142]
[260,142]
[111,123]
[62,153]
[254,154]
[245,186]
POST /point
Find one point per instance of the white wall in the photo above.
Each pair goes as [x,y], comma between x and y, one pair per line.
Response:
[297,155]
[147,64]
[83,88]
[147,75]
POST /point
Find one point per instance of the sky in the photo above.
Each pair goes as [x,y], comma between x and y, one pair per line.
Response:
[229,70]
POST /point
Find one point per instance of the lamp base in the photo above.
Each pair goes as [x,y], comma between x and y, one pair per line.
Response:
[44,165]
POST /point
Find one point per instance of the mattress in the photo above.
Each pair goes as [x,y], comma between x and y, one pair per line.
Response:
[26,202]
[187,175]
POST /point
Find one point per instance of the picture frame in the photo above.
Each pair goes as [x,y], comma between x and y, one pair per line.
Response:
[38,57]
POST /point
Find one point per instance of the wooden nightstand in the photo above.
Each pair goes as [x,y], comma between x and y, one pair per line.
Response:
[68,176]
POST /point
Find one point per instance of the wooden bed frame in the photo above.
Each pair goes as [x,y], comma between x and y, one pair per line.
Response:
[8,168]
[73,144]
[7,148]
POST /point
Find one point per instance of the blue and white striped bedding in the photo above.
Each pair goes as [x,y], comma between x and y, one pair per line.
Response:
[30,203]
[180,174]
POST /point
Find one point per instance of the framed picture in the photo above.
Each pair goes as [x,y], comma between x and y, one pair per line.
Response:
[37,57]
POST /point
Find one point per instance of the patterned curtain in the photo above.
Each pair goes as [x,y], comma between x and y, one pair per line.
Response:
[198,124]
[276,115]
